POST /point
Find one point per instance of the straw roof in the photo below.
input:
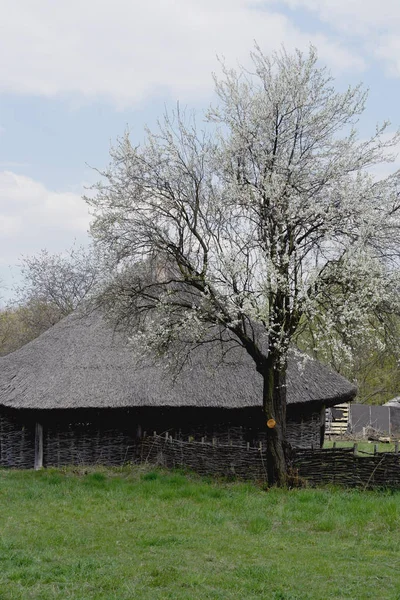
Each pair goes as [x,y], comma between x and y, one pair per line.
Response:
[82,362]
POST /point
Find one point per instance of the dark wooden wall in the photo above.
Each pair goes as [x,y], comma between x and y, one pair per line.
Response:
[112,437]
[17,442]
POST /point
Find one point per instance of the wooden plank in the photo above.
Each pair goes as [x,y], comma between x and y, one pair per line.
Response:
[339,425]
[38,446]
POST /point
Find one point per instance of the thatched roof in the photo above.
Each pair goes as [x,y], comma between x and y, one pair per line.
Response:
[83,362]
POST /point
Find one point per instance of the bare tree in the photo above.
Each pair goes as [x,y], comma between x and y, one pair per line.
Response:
[12,333]
[21,323]
[259,224]
[53,285]
[61,282]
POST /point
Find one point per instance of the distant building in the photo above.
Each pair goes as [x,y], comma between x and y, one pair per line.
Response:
[395,402]
[361,419]
[337,419]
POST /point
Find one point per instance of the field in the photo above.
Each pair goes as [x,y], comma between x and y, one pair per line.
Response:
[119,535]
[362,447]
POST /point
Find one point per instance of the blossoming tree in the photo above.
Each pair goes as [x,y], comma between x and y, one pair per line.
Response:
[264,220]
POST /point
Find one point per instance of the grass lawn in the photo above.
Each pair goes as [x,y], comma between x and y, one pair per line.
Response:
[364,447]
[130,534]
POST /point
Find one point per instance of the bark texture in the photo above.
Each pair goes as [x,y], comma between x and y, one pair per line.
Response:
[274,404]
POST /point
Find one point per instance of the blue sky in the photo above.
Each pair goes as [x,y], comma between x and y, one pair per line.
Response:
[75,74]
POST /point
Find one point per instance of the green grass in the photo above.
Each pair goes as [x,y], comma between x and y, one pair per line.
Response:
[365,447]
[129,534]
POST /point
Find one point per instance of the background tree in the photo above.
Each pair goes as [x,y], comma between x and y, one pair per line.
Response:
[19,324]
[249,230]
[63,280]
[372,363]
[52,286]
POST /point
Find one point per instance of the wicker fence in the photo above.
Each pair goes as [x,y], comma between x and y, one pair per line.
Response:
[87,445]
[339,466]
[342,466]
[243,462]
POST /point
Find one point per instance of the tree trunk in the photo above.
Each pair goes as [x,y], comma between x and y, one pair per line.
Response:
[274,404]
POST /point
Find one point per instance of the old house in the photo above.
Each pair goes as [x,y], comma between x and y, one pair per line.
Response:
[78,394]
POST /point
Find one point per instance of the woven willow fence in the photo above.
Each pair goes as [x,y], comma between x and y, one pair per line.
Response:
[340,466]
[243,462]
[89,445]
[17,445]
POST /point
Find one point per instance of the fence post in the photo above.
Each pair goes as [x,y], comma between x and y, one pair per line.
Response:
[375,449]
[396,447]
[355,448]
[334,446]
[38,446]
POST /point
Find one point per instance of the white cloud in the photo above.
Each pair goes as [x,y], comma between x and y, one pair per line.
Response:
[125,51]
[33,217]
[356,16]
[376,25]
[389,50]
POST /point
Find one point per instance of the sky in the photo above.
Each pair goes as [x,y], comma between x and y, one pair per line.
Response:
[75,75]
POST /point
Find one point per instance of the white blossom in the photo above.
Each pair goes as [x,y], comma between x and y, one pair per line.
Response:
[262,222]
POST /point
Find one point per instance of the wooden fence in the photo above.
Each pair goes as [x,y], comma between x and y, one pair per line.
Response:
[356,419]
[242,461]
[342,466]
[87,446]
[337,466]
